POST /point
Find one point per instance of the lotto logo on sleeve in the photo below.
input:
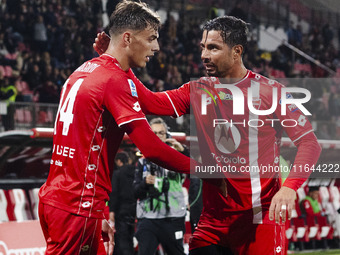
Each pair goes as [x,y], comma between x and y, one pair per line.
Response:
[136,107]
[133,88]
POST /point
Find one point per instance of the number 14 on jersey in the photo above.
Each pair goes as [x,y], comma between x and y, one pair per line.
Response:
[65,109]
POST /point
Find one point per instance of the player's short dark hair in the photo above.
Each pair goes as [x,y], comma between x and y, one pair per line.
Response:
[123,157]
[133,15]
[233,30]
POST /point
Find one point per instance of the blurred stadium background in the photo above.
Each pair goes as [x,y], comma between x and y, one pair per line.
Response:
[42,42]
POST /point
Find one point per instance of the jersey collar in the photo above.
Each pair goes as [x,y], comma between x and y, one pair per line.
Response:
[240,81]
[114,60]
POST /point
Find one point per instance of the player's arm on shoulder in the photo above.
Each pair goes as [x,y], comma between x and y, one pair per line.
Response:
[154,103]
[154,149]
[174,102]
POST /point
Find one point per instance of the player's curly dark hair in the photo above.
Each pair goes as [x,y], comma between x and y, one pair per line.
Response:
[133,15]
[233,30]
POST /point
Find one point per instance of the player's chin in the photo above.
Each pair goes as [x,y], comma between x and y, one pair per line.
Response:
[211,73]
[142,64]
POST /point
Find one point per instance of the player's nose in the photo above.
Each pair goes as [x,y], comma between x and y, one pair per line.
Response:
[155,46]
[205,55]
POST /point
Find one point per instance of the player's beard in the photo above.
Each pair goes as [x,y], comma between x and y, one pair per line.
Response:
[211,69]
[213,73]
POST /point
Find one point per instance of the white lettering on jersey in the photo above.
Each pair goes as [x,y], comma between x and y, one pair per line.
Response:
[225,159]
[87,67]
[63,150]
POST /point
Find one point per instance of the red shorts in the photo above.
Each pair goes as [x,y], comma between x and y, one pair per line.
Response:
[67,233]
[244,239]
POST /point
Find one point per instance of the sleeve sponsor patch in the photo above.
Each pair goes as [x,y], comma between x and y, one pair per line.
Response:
[133,88]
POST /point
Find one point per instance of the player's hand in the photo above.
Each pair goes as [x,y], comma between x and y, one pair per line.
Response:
[109,230]
[101,43]
[150,179]
[282,203]
[175,144]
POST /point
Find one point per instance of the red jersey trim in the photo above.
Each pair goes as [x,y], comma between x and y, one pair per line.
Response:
[172,104]
[312,130]
[87,165]
[243,79]
[98,162]
[115,61]
[123,123]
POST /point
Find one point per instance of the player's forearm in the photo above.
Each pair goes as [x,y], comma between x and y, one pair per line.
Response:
[307,156]
[155,150]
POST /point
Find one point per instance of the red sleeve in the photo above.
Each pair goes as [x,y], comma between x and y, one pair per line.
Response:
[154,103]
[155,150]
[174,102]
[120,101]
[181,99]
[303,138]
[307,155]
[292,117]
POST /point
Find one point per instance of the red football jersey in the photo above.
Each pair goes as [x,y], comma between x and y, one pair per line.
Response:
[246,141]
[252,141]
[95,101]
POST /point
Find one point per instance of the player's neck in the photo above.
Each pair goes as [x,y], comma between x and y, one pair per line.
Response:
[236,74]
[120,56]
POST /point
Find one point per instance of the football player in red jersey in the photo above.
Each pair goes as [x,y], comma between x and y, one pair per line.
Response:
[250,219]
[99,103]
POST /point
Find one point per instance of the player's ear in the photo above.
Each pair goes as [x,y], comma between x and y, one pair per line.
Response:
[238,50]
[127,38]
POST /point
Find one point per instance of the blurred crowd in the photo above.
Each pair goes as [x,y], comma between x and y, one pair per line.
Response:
[42,42]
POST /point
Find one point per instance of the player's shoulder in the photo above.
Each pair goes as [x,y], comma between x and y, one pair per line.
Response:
[100,67]
[264,81]
[207,82]
[103,74]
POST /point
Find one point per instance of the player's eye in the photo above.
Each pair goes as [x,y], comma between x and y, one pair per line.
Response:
[212,47]
[152,38]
